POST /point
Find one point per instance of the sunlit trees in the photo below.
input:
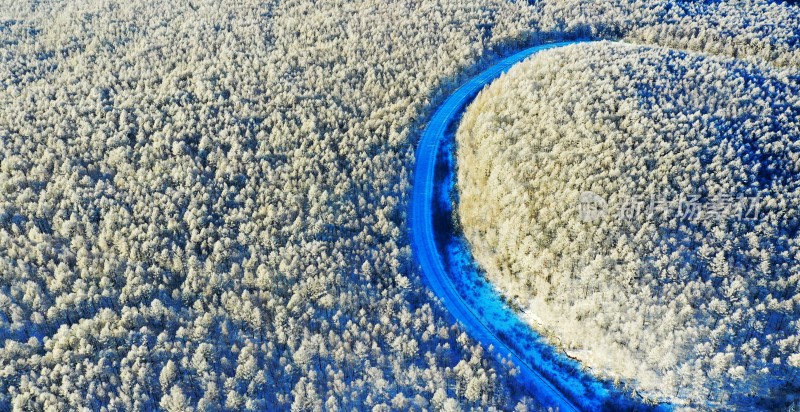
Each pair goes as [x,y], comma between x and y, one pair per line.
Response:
[202,204]
[692,307]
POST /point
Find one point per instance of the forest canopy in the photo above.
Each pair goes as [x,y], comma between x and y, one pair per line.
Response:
[203,202]
[687,307]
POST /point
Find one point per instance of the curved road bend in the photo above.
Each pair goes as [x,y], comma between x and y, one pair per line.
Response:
[422,238]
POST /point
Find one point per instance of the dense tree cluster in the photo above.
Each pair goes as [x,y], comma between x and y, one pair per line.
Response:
[700,308]
[202,202]
[764,30]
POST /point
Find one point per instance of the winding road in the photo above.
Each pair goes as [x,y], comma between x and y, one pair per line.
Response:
[428,256]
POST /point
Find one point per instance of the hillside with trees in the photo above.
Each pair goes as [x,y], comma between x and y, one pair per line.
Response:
[203,202]
[684,284]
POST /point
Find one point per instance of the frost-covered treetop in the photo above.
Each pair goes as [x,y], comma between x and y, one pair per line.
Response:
[202,202]
[688,307]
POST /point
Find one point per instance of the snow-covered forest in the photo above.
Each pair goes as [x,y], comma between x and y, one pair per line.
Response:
[203,202]
[700,308]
